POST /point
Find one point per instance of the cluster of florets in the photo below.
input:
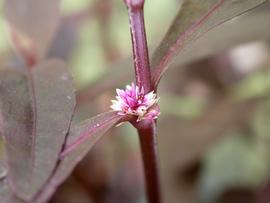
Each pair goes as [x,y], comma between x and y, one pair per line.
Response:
[134,101]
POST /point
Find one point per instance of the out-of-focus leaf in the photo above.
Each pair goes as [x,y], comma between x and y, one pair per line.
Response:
[217,176]
[6,195]
[18,123]
[80,140]
[192,21]
[264,194]
[37,114]
[199,135]
[72,192]
[67,36]
[33,23]
[243,29]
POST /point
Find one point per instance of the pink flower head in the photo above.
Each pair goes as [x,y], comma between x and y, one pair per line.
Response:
[134,101]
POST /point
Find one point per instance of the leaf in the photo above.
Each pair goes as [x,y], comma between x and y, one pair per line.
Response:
[37,116]
[80,140]
[18,121]
[72,192]
[243,29]
[90,129]
[192,21]
[33,23]
[6,195]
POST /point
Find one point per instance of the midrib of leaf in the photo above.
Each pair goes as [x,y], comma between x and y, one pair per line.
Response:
[68,161]
[54,171]
[31,85]
[85,135]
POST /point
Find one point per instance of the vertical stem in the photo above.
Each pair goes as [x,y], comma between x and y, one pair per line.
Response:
[148,140]
[146,128]
[139,44]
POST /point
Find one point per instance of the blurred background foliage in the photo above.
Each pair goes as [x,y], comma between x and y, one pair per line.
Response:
[214,129]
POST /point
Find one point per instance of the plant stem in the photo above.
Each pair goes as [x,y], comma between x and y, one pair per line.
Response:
[148,140]
[139,44]
[146,128]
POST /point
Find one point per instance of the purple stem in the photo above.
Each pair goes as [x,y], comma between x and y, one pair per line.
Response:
[146,128]
[139,44]
[148,140]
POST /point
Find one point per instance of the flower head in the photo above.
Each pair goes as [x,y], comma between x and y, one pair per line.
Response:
[133,101]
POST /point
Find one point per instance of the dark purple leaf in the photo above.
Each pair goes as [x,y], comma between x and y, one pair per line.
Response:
[6,195]
[263,195]
[33,23]
[193,20]
[37,115]
[18,122]
[229,35]
[80,140]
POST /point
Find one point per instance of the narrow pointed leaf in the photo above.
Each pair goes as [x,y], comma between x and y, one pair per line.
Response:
[90,130]
[193,20]
[37,114]
[80,140]
[243,29]
[33,23]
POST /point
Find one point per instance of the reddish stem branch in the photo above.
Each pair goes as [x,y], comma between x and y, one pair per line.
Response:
[139,44]
[148,139]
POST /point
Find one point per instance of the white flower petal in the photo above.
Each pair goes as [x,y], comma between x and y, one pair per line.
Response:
[116,108]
